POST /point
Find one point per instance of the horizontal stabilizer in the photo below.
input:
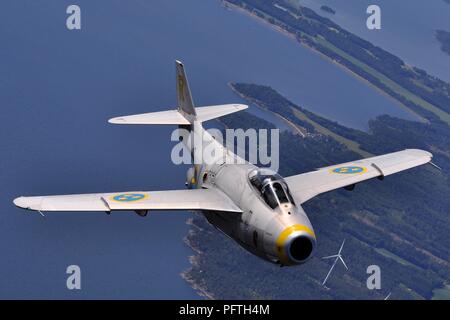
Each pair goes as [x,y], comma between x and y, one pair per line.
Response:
[162,117]
[212,112]
[175,117]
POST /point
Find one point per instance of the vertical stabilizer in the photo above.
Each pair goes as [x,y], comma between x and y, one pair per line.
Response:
[184,97]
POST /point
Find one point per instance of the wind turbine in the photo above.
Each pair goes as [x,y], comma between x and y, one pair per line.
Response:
[337,257]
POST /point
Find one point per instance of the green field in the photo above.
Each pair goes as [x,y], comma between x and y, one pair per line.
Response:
[393,256]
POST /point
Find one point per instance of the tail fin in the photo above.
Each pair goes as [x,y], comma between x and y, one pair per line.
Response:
[184,97]
[186,113]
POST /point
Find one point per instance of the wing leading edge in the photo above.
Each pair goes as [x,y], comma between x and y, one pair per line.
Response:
[197,199]
[308,185]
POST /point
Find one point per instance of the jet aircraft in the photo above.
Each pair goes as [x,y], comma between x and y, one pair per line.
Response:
[258,208]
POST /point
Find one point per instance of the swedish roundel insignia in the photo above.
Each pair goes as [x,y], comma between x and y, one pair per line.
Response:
[349,170]
[129,197]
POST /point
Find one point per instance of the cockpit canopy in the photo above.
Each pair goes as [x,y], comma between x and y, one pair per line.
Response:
[271,186]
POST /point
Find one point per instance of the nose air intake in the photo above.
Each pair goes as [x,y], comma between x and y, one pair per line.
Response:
[300,248]
[295,244]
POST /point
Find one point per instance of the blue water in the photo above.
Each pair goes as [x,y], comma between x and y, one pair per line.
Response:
[407,30]
[59,87]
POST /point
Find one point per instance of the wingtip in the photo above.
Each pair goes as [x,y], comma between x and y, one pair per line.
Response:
[239,107]
[28,203]
[20,203]
[421,152]
[118,120]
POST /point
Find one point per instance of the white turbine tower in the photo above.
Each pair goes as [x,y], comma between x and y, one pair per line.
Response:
[337,257]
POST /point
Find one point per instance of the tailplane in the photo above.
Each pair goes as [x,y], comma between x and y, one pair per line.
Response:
[186,113]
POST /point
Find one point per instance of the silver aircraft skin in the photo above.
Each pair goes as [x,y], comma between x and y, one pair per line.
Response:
[257,208]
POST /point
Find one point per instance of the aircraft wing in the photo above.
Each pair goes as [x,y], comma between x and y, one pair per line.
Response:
[196,199]
[308,185]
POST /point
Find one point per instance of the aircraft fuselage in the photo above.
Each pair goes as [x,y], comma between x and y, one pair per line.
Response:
[271,225]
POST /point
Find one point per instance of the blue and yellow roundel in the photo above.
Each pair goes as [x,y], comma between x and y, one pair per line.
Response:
[129,197]
[349,170]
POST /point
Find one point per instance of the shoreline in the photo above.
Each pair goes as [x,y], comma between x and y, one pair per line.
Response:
[291,36]
[350,144]
[298,130]
[193,260]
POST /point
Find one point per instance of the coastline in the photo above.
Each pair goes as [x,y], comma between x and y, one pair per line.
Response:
[193,260]
[298,130]
[286,33]
[350,144]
